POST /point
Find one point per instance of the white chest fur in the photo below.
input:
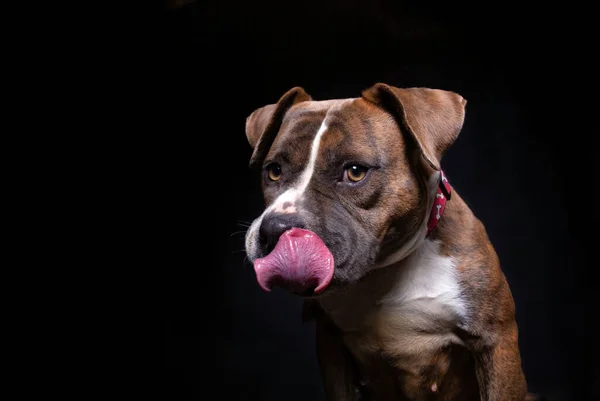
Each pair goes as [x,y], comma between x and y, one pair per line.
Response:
[425,275]
[403,311]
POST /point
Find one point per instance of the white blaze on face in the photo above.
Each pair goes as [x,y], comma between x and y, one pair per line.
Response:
[287,201]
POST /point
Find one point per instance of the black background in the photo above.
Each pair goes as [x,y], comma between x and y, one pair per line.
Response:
[523,162]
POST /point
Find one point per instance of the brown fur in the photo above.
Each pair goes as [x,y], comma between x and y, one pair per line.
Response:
[359,340]
[262,125]
[493,339]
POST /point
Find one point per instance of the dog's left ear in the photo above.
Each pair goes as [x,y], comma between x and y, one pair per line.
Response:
[263,124]
[432,117]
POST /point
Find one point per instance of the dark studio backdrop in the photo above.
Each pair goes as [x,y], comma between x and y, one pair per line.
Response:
[521,163]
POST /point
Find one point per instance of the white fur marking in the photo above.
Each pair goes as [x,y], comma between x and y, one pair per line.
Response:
[294,193]
[427,274]
[314,151]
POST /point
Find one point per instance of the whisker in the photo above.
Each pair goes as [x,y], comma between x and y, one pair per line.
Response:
[237,232]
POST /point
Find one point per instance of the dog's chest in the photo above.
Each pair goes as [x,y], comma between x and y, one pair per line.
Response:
[406,313]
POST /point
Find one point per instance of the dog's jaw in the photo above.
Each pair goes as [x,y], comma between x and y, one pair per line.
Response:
[251,240]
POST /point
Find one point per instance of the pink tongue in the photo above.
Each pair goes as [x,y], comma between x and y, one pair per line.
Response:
[299,262]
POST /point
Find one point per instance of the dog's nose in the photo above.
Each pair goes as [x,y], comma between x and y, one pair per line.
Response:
[273,226]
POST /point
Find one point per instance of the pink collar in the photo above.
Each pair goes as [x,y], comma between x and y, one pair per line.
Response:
[439,204]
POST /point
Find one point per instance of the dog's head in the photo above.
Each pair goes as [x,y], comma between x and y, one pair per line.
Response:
[347,182]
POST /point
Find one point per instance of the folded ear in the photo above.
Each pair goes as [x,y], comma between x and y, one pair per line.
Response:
[432,117]
[263,124]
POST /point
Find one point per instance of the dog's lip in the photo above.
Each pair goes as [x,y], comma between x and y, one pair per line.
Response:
[300,262]
[331,288]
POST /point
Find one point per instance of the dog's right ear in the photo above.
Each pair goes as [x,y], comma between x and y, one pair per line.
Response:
[263,124]
[433,118]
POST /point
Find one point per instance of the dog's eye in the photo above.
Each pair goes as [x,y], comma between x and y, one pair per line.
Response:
[356,172]
[274,172]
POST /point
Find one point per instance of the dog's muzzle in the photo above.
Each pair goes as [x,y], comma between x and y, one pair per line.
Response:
[299,262]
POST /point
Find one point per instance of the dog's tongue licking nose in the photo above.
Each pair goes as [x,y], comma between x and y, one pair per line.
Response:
[300,262]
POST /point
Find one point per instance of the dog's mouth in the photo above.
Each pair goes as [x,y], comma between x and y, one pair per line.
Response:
[300,263]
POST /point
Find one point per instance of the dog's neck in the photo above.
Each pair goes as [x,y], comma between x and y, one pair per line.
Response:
[437,190]
[442,195]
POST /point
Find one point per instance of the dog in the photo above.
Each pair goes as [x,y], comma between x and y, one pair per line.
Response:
[405,288]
